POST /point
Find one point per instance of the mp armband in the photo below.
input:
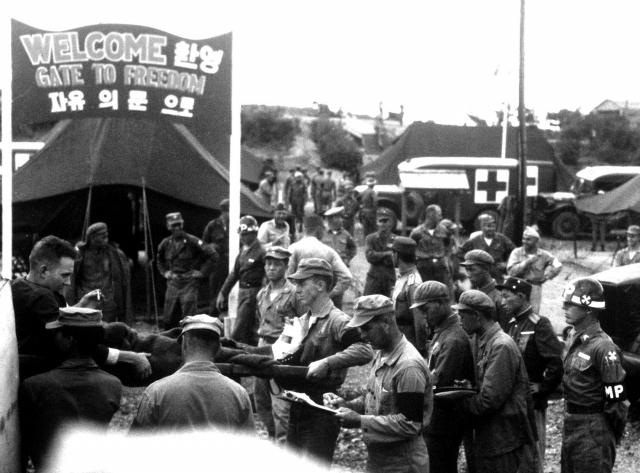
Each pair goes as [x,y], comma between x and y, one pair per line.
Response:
[615,392]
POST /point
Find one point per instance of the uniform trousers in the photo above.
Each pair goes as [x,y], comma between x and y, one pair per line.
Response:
[588,444]
[180,300]
[245,329]
[312,433]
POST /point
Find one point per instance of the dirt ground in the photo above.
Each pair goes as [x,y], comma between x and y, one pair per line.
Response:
[351,453]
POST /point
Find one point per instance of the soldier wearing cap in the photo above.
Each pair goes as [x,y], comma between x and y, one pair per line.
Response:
[534,265]
[407,280]
[369,207]
[248,272]
[317,183]
[478,264]
[504,427]
[630,254]
[75,391]
[275,232]
[399,394]
[596,403]
[337,237]
[499,246]
[328,346]
[278,305]
[539,346]
[288,183]
[297,198]
[381,276]
[434,248]
[183,260]
[197,396]
[311,246]
[216,236]
[351,207]
[102,265]
[266,189]
[328,191]
[449,359]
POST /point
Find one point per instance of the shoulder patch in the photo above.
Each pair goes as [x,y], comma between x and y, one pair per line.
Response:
[534,318]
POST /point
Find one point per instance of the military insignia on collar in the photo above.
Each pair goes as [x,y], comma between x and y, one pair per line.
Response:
[585,299]
[612,357]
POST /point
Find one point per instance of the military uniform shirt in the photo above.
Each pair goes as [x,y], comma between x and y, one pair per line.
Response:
[182,255]
[273,313]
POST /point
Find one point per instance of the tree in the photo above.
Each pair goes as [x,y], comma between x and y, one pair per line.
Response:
[269,127]
[336,148]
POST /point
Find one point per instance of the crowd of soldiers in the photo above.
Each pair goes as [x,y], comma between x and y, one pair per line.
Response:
[451,366]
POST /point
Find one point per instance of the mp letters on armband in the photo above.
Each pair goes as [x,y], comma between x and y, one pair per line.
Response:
[615,392]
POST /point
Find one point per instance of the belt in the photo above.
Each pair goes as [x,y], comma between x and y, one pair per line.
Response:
[246,285]
[534,283]
[572,408]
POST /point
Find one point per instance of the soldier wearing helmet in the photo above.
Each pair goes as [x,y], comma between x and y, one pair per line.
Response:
[248,271]
[596,403]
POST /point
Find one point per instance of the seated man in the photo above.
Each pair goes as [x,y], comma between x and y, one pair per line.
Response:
[197,396]
[77,390]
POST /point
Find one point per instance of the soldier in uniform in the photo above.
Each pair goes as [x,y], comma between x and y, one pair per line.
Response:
[478,264]
[399,397]
[596,403]
[216,236]
[275,232]
[504,427]
[297,199]
[408,279]
[449,359]
[248,271]
[183,259]
[369,207]
[381,276]
[630,254]
[317,184]
[337,237]
[434,248]
[534,265]
[540,348]
[496,244]
[351,207]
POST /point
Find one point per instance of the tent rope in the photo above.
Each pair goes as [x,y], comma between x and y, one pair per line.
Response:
[148,242]
[87,214]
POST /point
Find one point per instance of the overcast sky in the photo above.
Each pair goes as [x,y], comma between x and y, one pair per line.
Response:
[437,58]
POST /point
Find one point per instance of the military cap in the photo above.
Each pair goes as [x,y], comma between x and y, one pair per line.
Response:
[247,224]
[77,317]
[277,252]
[477,257]
[384,212]
[312,221]
[429,291]
[475,300]
[584,292]
[336,211]
[224,204]
[309,267]
[367,307]
[531,232]
[96,228]
[404,245]
[174,217]
[202,322]
[298,174]
[516,285]
[633,230]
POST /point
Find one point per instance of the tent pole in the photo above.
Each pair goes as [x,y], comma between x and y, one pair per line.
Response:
[87,214]
[147,230]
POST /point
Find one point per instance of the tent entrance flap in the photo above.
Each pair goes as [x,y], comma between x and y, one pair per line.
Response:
[435,179]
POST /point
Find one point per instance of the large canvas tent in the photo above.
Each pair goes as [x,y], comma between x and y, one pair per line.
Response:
[430,139]
[113,160]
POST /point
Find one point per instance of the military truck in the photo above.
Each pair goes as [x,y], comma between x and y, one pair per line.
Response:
[556,211]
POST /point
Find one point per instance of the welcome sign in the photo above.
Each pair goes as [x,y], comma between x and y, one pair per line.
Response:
[120,71]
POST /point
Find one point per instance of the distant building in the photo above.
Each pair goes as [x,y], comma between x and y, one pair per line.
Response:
[631,110]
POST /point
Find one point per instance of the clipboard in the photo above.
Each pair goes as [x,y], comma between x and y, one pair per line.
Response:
[302,398]
[453,393]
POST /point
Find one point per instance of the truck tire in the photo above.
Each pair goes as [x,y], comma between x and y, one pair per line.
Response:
[565,225]
[415,207]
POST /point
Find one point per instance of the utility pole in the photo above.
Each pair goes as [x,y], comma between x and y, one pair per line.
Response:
[522,142]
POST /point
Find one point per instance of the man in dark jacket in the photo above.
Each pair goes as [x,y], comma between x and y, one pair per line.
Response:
[381,276]
[102,265]
[216,236]
[540,348]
